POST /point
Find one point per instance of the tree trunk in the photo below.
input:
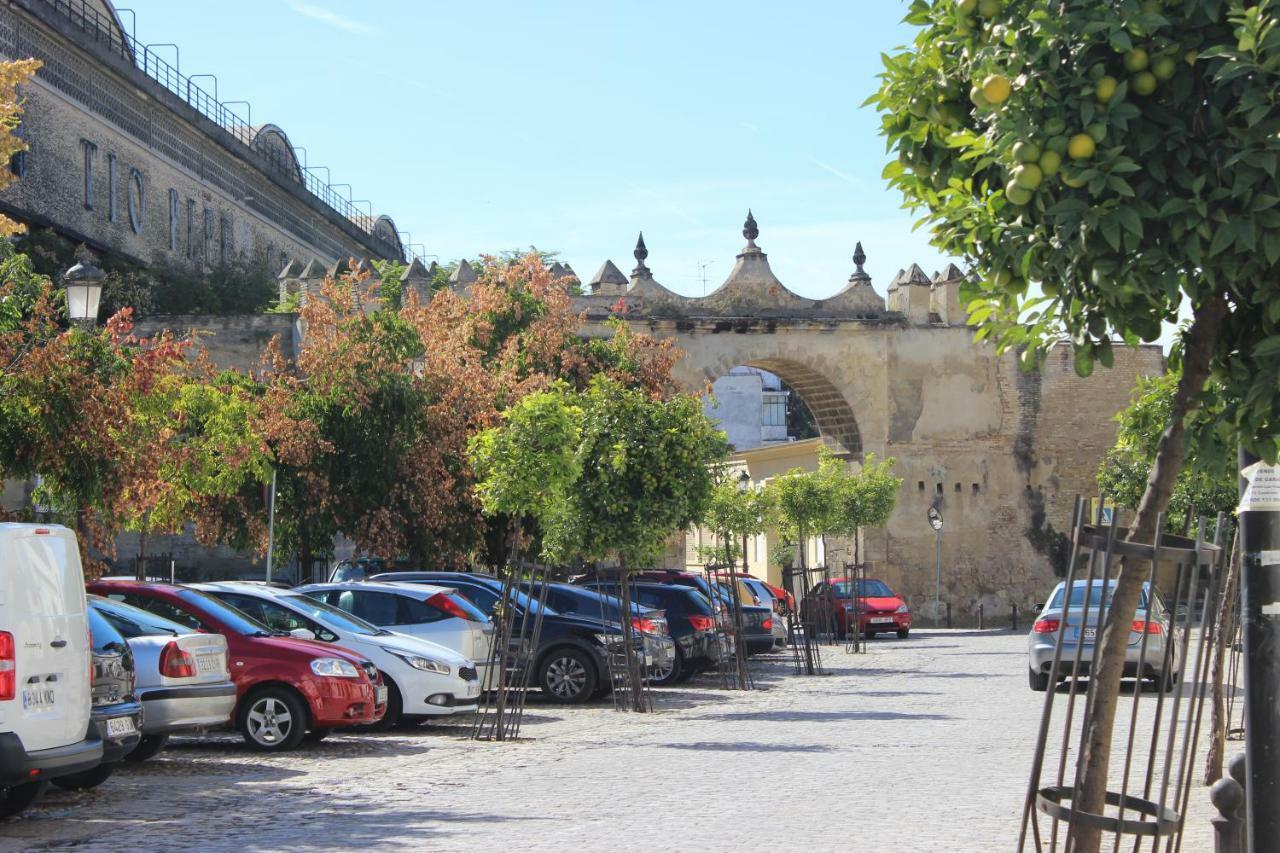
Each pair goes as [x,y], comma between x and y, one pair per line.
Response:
[1201,341]
[1223,635]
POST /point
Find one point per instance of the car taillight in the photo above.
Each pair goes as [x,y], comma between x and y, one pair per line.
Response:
[643,625]
[702,623]
[1141,626]
[1046,626]
[8,666]
[443,602]
[767,624]
[176,663]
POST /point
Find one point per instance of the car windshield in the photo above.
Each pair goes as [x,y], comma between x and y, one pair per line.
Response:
[761,591]
[234,619]
[339,620]
[134,621]
[1095,597]
[866,589]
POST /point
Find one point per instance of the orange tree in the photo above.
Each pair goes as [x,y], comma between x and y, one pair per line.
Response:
[1103,166]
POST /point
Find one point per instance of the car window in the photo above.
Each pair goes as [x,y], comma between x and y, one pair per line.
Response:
[481,597]
[134,621]
[328,616]
[379,608]
[104,635]
[650,598]
[415,612]
[161,608]
[1095,597]
[275,616]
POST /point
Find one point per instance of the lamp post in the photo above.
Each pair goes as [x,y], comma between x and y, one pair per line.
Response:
[83,284]
[744,482]
[935,521]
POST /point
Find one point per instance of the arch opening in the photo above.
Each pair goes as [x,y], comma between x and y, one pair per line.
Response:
[772,401]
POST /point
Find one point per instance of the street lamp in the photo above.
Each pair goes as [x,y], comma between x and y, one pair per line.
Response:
[83,283]
[744,480]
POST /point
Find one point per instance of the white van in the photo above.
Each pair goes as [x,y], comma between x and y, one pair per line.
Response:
[45,661]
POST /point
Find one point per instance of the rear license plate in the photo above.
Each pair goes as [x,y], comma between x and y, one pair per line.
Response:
[206,664]
[648,660]
[120,726]
[38,698]
[878,619]
[1089,634]
[381,694]
[473,690]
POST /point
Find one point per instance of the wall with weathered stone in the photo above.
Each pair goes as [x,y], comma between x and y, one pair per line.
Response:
[121,163]
[231,342]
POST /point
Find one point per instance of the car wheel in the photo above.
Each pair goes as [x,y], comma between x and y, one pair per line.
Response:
[272,719]
[1166,683]
[395,708]
[148,747]
[904,633]
[1039,681]
[19,798]
[568,675]
[670,674]
[86,778]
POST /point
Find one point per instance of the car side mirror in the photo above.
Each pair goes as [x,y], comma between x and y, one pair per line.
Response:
[302,634]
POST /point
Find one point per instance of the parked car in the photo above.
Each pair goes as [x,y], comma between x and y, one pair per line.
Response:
[363,568]
[423,679]
[285,687]
[757,622]
[690,620]
[1080,634]
[569,665]
[183,679]
[45,659]
[436,613]
[649,620]
[116,712]
[882,610]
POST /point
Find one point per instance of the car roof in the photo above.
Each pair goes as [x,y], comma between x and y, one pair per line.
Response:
[415,590]
[241,586]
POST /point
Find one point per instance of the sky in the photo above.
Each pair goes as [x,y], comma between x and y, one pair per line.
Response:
[572,126]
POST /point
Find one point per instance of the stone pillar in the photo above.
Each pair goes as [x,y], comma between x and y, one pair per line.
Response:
[913,295]
[944,297]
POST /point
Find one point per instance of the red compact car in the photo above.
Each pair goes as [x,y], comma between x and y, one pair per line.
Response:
[285,686]
[882,610]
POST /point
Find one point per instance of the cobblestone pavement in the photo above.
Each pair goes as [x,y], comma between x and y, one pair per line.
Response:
[919,745]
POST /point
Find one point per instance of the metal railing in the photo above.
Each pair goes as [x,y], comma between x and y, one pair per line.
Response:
[105,31]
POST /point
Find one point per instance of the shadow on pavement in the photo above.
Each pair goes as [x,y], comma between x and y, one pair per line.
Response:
[749,746]
[798,716]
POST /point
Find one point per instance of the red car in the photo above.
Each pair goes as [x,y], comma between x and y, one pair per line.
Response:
[883,610]
[285,686]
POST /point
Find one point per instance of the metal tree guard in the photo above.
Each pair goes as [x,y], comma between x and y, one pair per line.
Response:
[1152,803]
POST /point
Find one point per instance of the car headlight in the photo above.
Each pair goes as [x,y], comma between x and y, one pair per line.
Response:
[902,608]
[334,668]
[419,662]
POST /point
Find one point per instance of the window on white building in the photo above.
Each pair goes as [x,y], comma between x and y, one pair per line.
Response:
[774,412]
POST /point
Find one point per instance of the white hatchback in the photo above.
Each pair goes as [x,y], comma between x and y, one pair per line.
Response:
[423,678]
[437,613]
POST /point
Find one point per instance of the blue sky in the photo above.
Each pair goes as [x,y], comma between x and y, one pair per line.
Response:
[481,126]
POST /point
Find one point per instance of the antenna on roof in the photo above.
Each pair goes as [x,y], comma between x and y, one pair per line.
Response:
[702,274]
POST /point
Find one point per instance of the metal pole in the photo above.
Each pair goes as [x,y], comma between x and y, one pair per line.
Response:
[1260,614]
[271,524]
[937,590]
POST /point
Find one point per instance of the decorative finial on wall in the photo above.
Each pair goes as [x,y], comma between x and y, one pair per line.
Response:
[859,258]
[750,230]
[641,253]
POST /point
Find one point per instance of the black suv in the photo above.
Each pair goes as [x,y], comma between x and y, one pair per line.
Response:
[569,664]
[689,618]
[116,714]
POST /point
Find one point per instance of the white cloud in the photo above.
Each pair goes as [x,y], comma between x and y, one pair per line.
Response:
[332,19]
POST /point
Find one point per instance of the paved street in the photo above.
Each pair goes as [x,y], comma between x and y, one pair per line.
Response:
[920,745]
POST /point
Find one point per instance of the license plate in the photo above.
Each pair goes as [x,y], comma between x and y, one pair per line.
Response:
[120,726]
[473,690]
[38,698]
[381,694]
[1090,634]
[206,664]
[881,618]
[648,660]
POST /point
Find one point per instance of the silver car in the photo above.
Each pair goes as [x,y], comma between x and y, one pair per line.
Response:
[182,677]
[1081,632]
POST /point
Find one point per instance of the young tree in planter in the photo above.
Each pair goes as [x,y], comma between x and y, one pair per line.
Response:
[859,499]
[524,468]
[1100,166]
[646,473]
[801,502]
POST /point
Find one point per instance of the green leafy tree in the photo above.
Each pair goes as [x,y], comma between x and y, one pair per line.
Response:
[732,513]
[526,466]
[1207,483]
[1101,166]
[859,499]
[801,502]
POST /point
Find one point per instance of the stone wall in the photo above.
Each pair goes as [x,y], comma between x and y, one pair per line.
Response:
[118,161]
[231,342]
